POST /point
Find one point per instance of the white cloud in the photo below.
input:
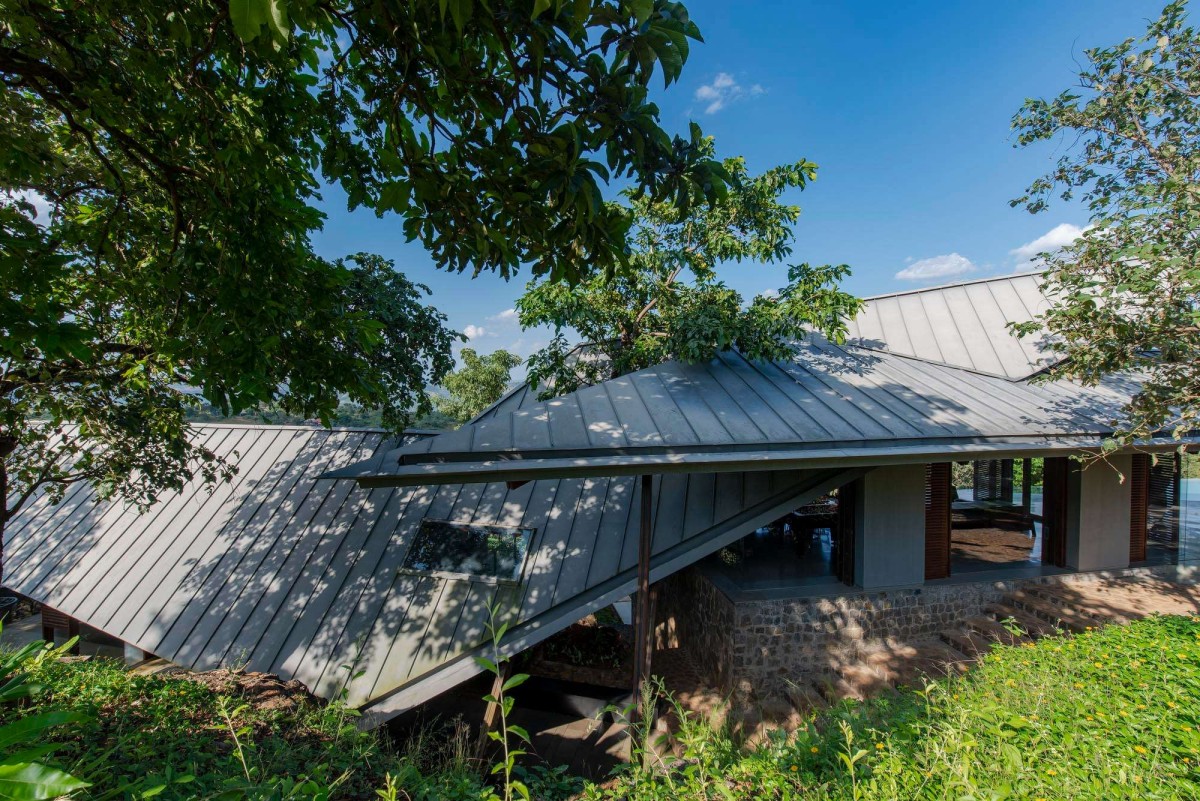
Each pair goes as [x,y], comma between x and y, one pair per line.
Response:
[769,293]
[723,90]
[1055,239]
[951,265]
[506,316]
[476,331]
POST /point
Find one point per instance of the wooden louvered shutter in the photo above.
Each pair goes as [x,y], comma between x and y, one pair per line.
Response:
[844,552]
[1055,488]
[937,520]
[1163,487]
[983,479]
[1139,506]
[1006,481]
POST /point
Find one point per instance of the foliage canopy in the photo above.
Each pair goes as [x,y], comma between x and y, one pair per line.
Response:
[479,383]
[1127,293]
[671,304]
[161,169]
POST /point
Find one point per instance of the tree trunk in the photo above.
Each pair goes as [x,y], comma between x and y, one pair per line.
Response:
[4,515]
[8,445]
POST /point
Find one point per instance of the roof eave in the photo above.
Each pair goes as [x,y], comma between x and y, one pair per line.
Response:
[512,467]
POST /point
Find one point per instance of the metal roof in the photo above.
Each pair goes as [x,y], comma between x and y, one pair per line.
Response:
[283,573]
[825,404]
[962,325]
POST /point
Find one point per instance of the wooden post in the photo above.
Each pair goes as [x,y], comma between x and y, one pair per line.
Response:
[643,621]
[492,713]
[1026,485]
[493,709]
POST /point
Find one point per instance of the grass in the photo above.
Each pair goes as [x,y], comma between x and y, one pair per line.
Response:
[1108,714]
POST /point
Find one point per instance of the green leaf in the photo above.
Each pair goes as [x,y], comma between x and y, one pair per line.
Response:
[29,727]
[248,17]
[277,19]
[24,781]
[515,681]
[642,9]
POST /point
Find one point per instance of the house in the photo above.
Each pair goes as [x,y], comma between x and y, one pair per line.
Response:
[762,513]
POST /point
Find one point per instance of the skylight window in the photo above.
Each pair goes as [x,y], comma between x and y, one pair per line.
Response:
[495,552]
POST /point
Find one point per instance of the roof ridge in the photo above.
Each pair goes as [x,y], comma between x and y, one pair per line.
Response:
[301,427]
[941,287]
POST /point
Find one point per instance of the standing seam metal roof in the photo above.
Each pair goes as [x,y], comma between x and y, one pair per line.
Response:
[284,573]
[827,395]
[961,325]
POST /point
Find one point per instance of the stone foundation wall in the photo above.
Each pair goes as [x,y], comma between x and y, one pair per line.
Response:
[779,640]
[754,647]
[693,615]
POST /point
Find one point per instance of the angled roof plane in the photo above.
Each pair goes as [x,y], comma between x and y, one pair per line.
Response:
[961,325]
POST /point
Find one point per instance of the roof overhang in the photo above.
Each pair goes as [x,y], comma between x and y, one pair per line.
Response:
[420,469]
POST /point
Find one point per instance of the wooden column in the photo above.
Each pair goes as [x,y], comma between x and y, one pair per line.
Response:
[937,520]
[643,615]
[1026,485]
[1056,492]
[1139,506]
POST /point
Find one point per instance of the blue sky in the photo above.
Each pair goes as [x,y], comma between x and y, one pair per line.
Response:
[905,107]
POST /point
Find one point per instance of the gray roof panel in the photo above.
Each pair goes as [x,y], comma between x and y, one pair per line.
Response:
[282,572]
[961,325]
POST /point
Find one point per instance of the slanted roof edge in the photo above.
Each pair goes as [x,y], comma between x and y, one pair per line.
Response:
[870,454]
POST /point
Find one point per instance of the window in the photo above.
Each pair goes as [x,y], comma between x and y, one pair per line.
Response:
[485,551]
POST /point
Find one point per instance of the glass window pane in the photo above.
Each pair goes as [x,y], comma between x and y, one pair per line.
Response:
[490,551]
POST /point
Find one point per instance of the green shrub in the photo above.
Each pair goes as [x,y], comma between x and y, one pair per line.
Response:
[178,739]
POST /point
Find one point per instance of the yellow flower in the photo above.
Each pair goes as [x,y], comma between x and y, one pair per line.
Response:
[814,749]
[794,768]
[1052,772]
[878,746]
[1187,728]
[1140,749]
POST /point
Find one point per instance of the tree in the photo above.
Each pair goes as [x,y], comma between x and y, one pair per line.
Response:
[179,150]
[92,371]
[670,304]
[1127,293]
[479,383]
